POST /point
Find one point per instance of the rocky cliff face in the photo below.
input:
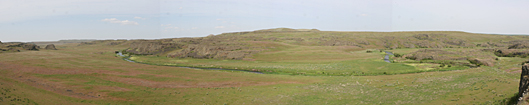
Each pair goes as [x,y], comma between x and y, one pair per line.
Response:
[152,47]
[524,83]
[469,57]
[211,47]
[216,52]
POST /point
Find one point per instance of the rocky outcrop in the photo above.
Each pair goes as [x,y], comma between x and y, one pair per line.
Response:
[30,47]
[25,46]
[50,47]
[338,43]
[519,46]
[114,43]
[18,46]
[9,49]
[485,62]
[147,47]
[512,52]
[428,36]
[86,43]
[524,83]
[431,54]
[216,52]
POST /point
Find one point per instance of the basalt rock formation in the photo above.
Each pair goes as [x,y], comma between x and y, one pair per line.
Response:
[25,46]
[17,46]
[150,47]
[512,52]
[432,54]
[486,62]
[50,47]
[519,46]
[216,52]
[524,84]
[468,57]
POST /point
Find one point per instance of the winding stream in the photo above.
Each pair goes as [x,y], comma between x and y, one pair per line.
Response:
[386,58]
[126,58]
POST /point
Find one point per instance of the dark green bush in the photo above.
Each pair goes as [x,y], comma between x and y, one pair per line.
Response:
[397,55]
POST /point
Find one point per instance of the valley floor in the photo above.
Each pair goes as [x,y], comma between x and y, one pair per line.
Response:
[92,74]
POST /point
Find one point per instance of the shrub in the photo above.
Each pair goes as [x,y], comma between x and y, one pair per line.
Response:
[397,55]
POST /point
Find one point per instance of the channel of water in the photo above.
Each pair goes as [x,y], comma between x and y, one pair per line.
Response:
[127,58]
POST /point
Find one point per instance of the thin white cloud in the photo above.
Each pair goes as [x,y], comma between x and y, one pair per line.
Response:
[180,8]
[165,25]
[219,26]
[139,18]
[364,15]
[194,28]
[124,22]
[175,27]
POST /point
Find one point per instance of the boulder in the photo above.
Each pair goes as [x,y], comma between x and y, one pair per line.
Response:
[50,47]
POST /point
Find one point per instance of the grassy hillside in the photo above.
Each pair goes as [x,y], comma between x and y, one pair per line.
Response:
[311,71]
[313,52]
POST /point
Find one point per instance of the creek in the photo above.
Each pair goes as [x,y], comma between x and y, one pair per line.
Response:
[386,58]
[127,58]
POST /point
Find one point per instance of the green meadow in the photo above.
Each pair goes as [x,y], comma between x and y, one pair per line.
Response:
[294,73]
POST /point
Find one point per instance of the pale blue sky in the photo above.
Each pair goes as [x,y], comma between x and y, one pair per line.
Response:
[49,20]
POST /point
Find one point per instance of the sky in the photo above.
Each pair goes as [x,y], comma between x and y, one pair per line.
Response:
[51,20]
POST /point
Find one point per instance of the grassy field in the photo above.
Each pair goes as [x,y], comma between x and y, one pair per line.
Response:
[308,60]
[295,73]
[93,75]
